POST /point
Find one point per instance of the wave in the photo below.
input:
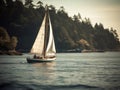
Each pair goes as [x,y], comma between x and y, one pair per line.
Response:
[13,63]
[29,86]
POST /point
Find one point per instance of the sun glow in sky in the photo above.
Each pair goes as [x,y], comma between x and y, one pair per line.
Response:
[106,12]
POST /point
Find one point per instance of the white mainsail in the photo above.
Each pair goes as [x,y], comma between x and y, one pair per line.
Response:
[38,45]
[50,51]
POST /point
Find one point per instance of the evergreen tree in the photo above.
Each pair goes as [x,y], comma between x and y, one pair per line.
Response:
[23,21]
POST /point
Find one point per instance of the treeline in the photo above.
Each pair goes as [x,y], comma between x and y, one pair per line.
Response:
[71,33]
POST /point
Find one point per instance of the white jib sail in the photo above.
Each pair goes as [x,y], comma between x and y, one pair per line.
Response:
[50,51]
[38,45]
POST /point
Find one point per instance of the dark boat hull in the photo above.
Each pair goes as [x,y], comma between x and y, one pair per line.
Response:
[33,60]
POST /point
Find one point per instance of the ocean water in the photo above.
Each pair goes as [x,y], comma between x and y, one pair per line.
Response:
[70,71]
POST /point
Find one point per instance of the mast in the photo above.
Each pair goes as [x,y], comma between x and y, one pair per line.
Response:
[46,30]
[50,51]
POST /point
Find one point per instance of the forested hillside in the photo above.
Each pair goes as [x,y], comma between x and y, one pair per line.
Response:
[71,33]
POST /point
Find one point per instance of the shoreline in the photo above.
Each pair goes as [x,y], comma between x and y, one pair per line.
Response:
[10,53]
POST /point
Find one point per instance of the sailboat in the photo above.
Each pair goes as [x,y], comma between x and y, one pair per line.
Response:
[44,45]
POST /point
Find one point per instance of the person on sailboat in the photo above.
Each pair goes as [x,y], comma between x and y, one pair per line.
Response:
[35,56]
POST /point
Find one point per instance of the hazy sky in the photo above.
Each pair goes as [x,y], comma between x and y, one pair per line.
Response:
[106,12]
